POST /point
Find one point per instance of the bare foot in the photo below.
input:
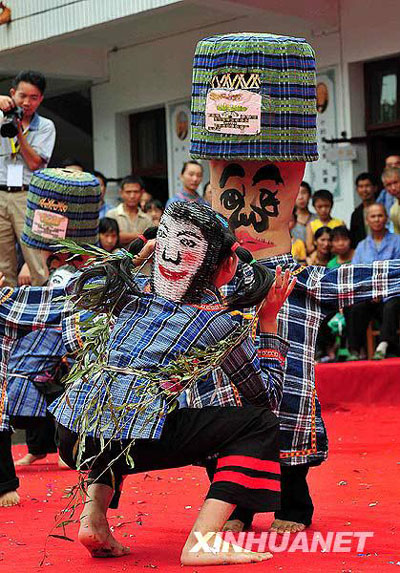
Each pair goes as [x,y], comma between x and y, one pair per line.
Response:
[234,525]
[29,459]
[95,535]
[220,553]
[284,526]
[9,499]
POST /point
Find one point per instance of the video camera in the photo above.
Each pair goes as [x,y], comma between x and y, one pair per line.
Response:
[9,127]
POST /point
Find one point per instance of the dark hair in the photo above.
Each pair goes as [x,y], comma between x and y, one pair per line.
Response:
[71,161]
[370,176]
[117,275]
[322,194]
[306,186]
[321,231]
[294,214]
[100,175]
[153,203]
[341,231]
[108,225]
[193,162]
[30,77]
[130,179]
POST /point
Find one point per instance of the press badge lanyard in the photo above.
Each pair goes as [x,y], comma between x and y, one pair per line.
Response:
[15,147]
[15,171]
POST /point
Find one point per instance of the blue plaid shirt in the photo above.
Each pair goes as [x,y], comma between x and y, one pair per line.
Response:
[37,355]
[318,292]
[22,310]
[150,333]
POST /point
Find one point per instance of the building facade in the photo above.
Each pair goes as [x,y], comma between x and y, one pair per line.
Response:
[134,59]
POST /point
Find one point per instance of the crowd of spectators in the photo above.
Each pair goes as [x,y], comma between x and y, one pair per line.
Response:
[374,235]
[318,237]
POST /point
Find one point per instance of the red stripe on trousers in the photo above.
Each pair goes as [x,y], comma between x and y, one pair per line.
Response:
[247,481]
[250,463]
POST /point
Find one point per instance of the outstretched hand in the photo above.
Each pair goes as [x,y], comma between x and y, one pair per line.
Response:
[273,302]
[2,280]
[145,253]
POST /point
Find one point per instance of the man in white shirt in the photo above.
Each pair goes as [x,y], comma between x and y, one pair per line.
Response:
[130,218]
[20,155]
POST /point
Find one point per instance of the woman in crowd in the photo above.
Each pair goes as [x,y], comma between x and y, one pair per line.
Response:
[154,209]
[303,214]
[322,245]
[108,234]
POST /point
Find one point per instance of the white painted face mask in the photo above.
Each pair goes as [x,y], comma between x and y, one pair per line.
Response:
[60,277]
[180,252]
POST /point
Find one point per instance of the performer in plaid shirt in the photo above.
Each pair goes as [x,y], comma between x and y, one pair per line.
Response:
[21,310]
[114,410]
[255,174]
[318,292]
[37,363]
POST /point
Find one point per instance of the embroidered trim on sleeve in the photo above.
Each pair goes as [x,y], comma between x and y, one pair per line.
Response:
[270,354]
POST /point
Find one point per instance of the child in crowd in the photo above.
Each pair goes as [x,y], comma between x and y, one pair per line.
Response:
[341,247]
[304,215]
[298,246]
[146,198]
[332,331]
[207,193]
[323,203]
[108,234]
[178,313]
[322,245]
[154,208]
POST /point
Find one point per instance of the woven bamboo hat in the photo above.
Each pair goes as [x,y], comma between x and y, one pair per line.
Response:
[254,97]
[61,205]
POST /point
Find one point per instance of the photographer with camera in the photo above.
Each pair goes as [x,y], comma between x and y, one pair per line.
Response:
[26,144]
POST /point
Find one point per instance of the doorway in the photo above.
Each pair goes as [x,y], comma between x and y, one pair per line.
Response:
[149,151]
[382,89]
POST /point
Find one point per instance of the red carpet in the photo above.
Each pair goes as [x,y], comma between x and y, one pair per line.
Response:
[360,382]
[356,490]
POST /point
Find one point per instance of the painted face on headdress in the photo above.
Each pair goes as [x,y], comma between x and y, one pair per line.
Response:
[180,251]
[60,277]
[256,197]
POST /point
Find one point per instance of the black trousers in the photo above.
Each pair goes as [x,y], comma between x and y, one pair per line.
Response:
[246,440]
[8,478]
[40,433]
[40,439]
[359,316]
[296,502]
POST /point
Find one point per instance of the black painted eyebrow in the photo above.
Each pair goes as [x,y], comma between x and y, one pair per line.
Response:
[191,233]
[268,172]
[231,170]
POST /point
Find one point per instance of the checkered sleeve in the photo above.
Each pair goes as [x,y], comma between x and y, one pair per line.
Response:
[258,373]
[73,329]
[29,308]
[351,284]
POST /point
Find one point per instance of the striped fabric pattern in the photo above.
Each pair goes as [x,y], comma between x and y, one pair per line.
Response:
[38,354]
[318,292]
[148,334]
[73,194]
[22,310]
[249,472]
[286,67]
